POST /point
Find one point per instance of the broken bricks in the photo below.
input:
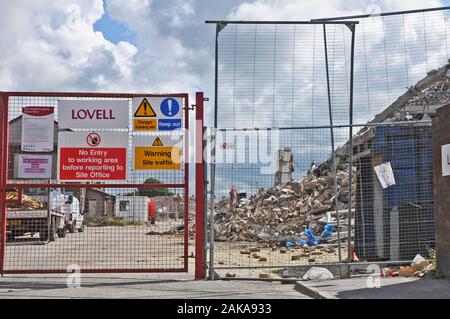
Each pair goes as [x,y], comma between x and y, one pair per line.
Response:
[264,275]
[278,215]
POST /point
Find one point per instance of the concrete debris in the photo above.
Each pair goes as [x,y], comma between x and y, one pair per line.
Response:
[281,214]
[318,273]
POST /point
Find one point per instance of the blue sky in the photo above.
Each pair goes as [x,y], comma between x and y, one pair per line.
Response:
[113,30]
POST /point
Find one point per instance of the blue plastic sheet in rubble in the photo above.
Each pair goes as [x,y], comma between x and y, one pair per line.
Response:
[311,239]
[328,230]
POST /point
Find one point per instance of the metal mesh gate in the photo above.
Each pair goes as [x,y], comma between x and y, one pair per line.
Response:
[136,222]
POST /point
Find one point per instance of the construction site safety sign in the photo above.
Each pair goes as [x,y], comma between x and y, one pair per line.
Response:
[37,128]
[157,152]
[157,113]
[93,114]
[92,156]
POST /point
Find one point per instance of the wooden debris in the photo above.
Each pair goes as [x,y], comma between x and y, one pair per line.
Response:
[276,215]
[264,275]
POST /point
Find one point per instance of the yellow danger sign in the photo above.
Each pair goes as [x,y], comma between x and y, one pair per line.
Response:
[157,157]
[145,124]
[145,110]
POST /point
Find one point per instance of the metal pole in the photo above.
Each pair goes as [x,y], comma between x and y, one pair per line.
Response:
[3,176]
[205,212]
[350,152]
[213,155]
[199,190]
[333,154]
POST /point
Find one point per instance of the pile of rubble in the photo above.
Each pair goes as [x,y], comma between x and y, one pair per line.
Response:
[280,214]
[27,201]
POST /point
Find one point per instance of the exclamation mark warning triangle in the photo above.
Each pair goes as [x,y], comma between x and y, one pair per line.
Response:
[145,110]
[157,142]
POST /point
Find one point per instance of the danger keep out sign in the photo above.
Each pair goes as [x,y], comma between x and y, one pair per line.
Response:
[157,152]
[157,113]
[92,156]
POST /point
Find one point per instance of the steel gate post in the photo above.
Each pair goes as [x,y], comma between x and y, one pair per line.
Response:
[186,184]
[350,159]
[333,154]
[3,172]
[199,189]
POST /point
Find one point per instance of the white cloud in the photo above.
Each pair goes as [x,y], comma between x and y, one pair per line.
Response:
[49,45]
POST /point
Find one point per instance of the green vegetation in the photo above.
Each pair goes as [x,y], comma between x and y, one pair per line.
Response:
[151,192]
[99,221]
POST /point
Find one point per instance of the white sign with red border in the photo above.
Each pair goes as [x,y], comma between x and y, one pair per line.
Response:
[37,129]
[93,114]
[92,156]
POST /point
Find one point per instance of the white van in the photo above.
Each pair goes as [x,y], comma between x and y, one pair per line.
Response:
[69,205]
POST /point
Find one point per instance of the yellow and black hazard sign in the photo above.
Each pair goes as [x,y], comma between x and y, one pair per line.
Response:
[157,142]
[145,110]
[162,154]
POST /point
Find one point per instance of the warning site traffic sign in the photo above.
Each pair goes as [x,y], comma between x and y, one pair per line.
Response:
[163,154]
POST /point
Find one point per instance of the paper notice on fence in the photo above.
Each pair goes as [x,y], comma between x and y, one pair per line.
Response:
[385,174]
[37,129]
[446,160]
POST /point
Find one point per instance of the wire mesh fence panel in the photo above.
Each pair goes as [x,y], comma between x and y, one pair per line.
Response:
[264,212]
[96,181]
[393,53]
[394,209]
[311,167]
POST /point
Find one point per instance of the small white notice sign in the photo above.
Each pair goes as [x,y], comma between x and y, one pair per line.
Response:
[385,174]
[446,160]
[35,166]
[37,129]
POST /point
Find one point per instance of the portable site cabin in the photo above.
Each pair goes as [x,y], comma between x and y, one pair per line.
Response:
[133,208]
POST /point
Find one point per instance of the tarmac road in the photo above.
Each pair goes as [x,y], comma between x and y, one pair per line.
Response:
[109,247]
[151,286]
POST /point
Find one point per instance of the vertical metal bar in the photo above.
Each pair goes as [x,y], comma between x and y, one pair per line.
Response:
[350,161]
[333,154]
[199,190]
[205,210]
[186,184]
[3,175]
[213,155]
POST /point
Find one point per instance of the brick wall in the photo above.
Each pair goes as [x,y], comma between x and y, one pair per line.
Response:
[441,136]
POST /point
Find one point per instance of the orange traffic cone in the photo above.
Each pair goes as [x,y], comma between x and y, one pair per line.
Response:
[354,257]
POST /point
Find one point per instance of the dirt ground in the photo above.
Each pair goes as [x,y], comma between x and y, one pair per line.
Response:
[247,255]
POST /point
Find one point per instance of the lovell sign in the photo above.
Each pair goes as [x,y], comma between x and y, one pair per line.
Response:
[92,156]
[93,113]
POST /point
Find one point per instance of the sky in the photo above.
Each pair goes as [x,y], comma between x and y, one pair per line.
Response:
[137,45]
[159,46]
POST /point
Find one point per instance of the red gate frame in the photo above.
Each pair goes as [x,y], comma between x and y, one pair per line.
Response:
[4,101]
